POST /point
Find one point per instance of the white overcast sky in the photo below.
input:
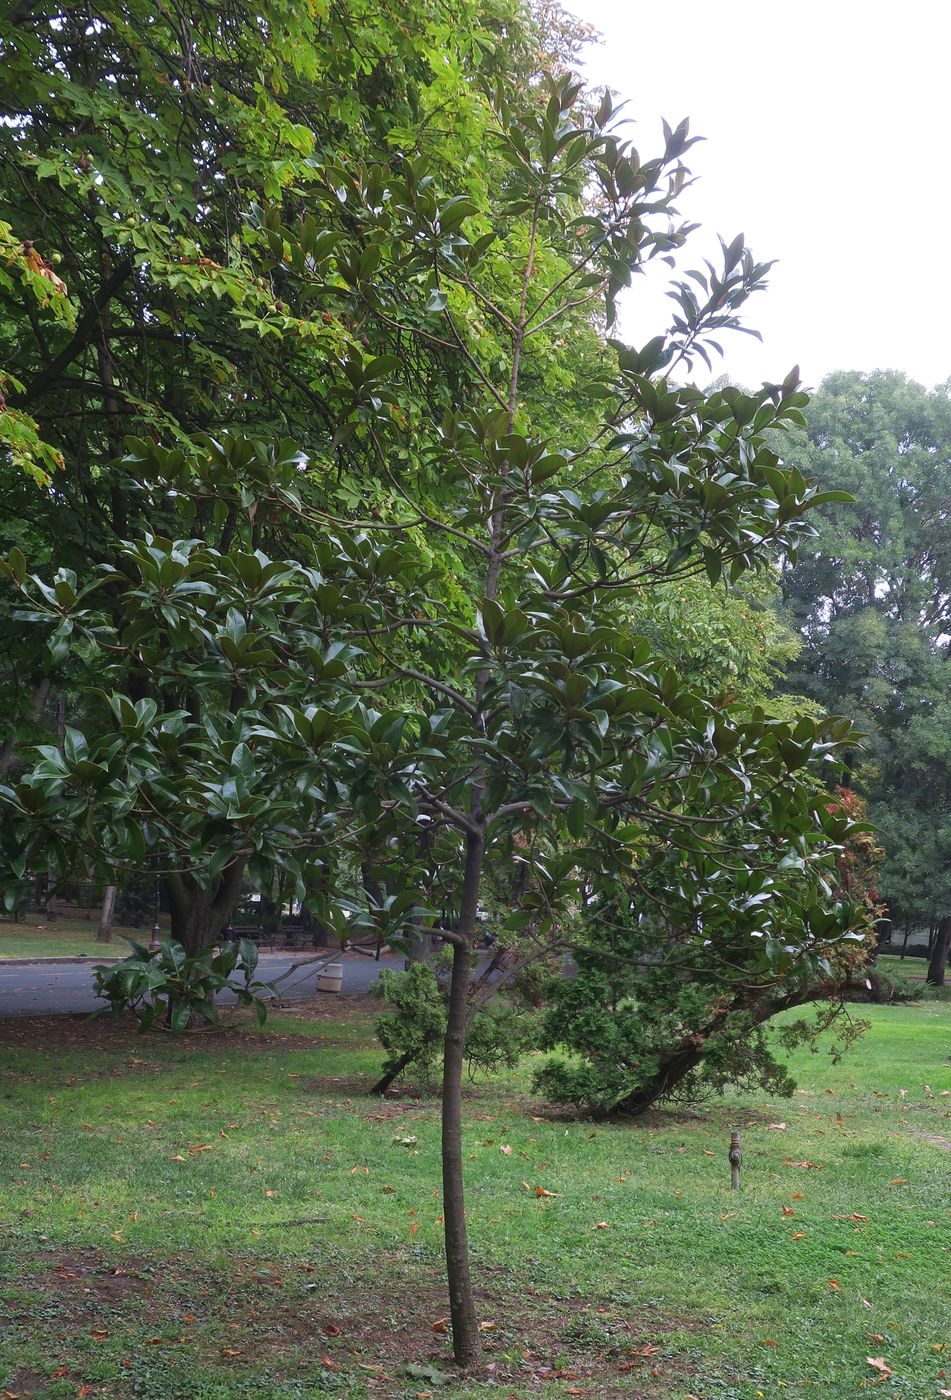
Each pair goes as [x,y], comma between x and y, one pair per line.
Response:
[827,133]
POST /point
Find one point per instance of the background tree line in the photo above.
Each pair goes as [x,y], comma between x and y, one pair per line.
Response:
[871,601]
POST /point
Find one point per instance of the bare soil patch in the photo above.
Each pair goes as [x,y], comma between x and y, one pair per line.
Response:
[112,1033]
[936,1140]
[382,1326]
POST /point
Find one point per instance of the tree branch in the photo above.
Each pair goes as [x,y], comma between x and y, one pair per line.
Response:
[85,331]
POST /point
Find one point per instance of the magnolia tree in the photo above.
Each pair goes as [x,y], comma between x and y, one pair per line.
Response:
[445,687]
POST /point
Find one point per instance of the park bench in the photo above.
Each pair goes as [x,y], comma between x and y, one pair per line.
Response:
[259,936]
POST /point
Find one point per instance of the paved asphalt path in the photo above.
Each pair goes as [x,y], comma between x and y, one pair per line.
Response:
[65,988]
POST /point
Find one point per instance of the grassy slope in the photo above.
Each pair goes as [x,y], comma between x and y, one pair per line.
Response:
[181,1166]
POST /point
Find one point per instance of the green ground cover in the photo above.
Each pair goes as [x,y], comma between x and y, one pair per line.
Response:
[63,938]
[230,1217]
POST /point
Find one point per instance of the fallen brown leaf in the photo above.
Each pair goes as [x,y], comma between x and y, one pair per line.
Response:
[880,1364]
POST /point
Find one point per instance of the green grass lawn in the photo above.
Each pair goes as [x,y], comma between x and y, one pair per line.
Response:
[894,962]
[230,1217]
[63,938]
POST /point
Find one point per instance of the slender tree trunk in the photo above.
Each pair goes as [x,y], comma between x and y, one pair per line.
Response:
[937,967]
[104,931]
[49,908]
[466,1342]
[7,753]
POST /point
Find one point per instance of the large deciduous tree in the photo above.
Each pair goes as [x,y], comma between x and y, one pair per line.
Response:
[142,152]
